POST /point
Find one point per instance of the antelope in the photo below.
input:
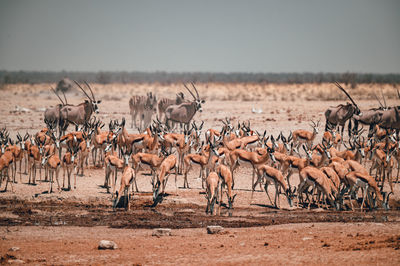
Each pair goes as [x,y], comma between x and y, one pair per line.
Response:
[254,158]
[34,159]
[311,176]
[318,161]
[163,103]
[69,165]
[152,160]
[144,106]
[384,162]
[99,141]
[195,134]
[81,113]
[226,180]
[211,135]
[212,188]
[53,113]
[332,175]
[18,155]
[52,161]
[112,165]
[253,141]
[135,142]
[184,112]
[291,163]
[6,163]
[341,113]
[166,166]
[367,183]
[203,160]
[22,143]
[274,176]
[128,176]
[84,150]
[303,136]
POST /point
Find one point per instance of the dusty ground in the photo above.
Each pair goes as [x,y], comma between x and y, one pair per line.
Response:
[65,228]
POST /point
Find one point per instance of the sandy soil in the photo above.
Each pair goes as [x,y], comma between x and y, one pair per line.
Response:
[65,228]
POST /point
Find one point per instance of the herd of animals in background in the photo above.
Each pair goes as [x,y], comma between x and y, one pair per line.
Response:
[330,173]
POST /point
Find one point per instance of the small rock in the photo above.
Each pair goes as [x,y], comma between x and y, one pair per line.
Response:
[306,238]
[162,232]
[106,244]
[266,244]
[214,229]
[14,249]
[16,261]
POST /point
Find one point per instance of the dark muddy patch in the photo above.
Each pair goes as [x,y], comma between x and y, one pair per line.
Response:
[175,216]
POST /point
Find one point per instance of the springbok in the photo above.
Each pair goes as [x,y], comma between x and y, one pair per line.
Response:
[53,162]
[166,167]
[69,165]
[128,176]
[274,176]
[303,136]
[81,113]
[184,112]
[226,180]
[212,188]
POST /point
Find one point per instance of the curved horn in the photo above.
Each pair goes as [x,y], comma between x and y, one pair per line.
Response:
[190,91]
[94,99]
[57,95]
[345,92]
[82,89]
[198,97]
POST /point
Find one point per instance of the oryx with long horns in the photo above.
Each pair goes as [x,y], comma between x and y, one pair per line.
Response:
[184,112]
[81,113]
[341,113]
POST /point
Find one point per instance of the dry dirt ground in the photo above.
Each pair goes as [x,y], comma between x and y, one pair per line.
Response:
[65,228]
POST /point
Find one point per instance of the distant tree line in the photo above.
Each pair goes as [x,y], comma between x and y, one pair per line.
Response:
[349,78]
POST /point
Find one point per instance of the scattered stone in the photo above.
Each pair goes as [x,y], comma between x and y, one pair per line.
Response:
[266,244]
[162,232]
[14,249]
[16,261]
[306,238]
[106,244]
[214,229]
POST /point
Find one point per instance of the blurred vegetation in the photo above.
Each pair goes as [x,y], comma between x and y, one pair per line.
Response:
[349,78]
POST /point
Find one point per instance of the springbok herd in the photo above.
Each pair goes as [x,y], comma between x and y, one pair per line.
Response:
[335,168]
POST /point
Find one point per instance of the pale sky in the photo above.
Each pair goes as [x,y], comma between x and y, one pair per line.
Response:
[207,36]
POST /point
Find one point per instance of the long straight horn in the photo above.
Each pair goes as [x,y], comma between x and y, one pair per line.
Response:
[65,98]
[90,90]
[345,92]
[384,100]
[398,93]
[198,97]
[376,97]
[190,91]
[57,95]
[82,89]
